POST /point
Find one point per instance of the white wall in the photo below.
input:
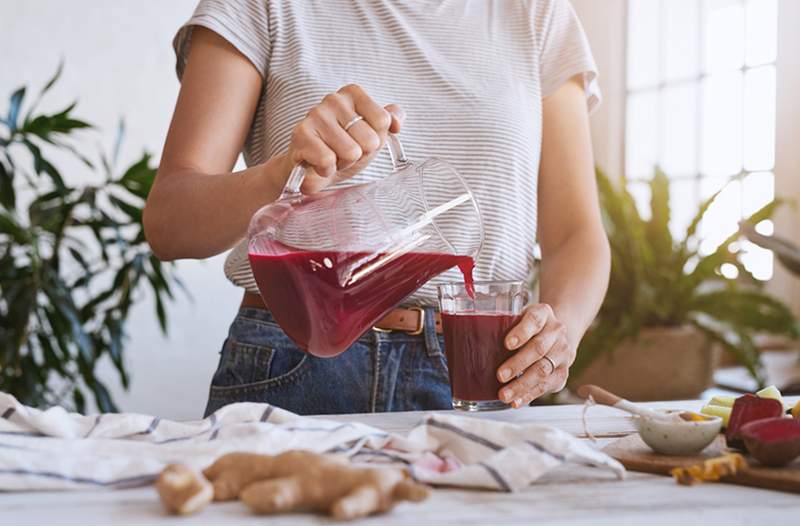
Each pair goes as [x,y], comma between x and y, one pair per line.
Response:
[604,23]
[119,62]
[787,153]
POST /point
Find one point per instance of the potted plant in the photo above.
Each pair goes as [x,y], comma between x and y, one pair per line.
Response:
[669,308]
[73,259]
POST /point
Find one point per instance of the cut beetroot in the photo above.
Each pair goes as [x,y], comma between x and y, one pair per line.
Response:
[746,409]
[772,441]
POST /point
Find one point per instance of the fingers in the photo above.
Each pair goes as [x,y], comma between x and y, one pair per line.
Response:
[374,115]
[367,138]
[322,142]
[539,334]
[533,350]
[531,390]
[371,140]
[533,320]
[539,378]
[398,117]
[307,146]
[329,129]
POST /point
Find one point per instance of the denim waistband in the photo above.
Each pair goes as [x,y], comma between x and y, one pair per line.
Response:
[429,336]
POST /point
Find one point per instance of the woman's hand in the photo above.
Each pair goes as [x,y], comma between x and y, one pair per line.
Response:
[332,152]
[542,358]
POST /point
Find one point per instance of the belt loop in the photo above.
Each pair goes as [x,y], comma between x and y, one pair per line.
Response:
[431,339]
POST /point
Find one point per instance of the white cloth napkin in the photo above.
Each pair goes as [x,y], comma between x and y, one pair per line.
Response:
[54,449]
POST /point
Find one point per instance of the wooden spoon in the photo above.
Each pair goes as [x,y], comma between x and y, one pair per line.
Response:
[601,396]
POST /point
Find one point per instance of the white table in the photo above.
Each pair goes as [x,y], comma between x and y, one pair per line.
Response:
[572,495]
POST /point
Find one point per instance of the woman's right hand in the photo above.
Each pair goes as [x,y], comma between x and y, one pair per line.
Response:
[332,153]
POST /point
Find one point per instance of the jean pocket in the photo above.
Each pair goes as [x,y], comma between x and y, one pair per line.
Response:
[246,367]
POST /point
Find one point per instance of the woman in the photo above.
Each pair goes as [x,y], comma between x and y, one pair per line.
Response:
[501,89]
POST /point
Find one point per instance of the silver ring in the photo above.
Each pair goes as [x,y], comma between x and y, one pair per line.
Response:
[552,364]
[353,121]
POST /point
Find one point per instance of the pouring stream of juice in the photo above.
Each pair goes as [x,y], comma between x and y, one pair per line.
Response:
[318,305]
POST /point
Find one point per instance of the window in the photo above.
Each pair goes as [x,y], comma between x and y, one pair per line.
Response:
[701,106]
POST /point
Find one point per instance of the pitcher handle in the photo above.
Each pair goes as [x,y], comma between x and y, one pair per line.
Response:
[396,154]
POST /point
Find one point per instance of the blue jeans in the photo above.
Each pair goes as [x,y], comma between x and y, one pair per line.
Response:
[380,372]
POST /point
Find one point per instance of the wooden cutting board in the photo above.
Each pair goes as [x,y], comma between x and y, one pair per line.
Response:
[636,456]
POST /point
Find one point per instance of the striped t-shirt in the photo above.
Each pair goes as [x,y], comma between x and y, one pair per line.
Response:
[471,76]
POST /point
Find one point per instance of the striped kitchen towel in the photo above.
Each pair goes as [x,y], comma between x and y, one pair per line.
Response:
[55,449]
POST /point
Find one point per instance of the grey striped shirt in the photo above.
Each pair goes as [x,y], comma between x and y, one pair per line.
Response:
[471,76]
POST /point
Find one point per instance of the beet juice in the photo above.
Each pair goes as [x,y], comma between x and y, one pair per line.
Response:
[474,347]
[325,300]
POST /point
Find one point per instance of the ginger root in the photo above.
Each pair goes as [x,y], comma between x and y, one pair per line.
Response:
[712,469]
[304,481]
[183,490]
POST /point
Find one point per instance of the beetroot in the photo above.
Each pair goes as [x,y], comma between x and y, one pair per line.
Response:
[772,441]
[746,409]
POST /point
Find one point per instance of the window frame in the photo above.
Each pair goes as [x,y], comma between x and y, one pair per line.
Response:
[606,27]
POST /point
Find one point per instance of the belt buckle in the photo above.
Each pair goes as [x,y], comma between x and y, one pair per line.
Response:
[421,327]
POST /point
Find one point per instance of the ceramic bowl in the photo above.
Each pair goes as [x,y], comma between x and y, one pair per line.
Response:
[678,437]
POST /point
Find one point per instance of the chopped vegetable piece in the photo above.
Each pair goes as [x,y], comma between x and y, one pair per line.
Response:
[724,401]
[717,410]
[770,392]
[748,408]
[772,441]
[691,416]
[710,470]
[796,410]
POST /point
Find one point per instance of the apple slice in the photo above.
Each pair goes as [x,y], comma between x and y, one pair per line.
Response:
[723,401]
[718,410]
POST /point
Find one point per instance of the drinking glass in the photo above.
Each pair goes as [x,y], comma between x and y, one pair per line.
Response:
[475,326]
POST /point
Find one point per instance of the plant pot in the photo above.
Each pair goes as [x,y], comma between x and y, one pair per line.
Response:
[663,363]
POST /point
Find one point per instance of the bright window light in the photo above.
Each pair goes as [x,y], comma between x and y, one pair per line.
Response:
[701,105]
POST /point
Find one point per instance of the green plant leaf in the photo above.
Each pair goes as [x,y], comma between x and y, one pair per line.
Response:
[14,106]
[72,264]
[102,397]
[8,196]
[79,400]
[161,284]
[139,177]
[65,309]
[132,211]
[118,142]
[51,213]
[10,226]
[43,166]
[747,309]
[20,296]
[655,281]
[51,358]
[48,85]
[47,126]
[739,344]
[116,335]
[698,217]
[658,226]
[765,212]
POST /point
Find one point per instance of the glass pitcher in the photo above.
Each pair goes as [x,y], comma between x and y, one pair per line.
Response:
[331,264]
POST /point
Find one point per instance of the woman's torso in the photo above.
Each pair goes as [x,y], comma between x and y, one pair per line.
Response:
[468,75]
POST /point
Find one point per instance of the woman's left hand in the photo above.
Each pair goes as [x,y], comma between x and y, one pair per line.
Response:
[541,362]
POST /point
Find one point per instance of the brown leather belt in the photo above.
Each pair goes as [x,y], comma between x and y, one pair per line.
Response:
[411,320]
